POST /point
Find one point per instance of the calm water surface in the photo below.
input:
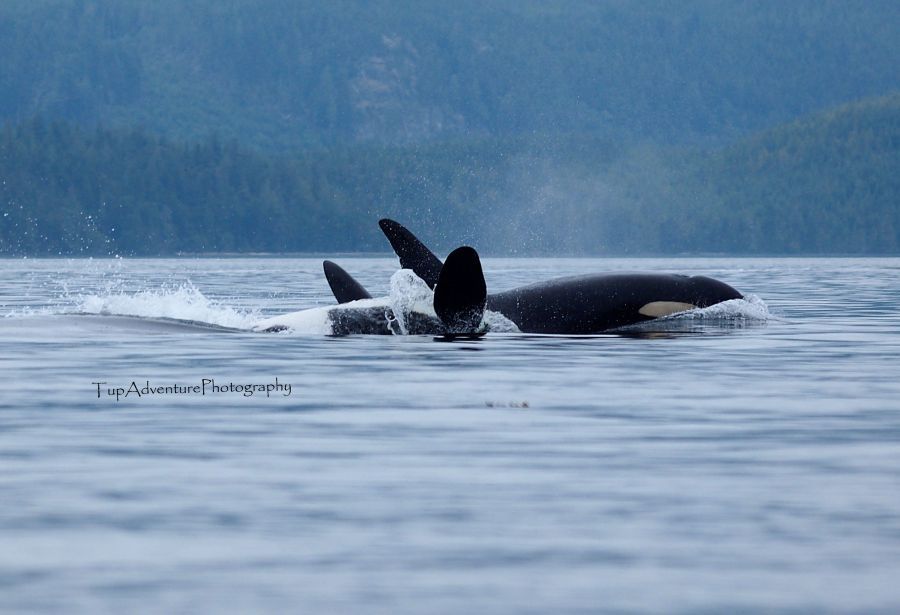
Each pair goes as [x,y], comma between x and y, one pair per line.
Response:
[740,461]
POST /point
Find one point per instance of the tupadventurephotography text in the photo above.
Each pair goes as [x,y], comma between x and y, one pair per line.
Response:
[207,386]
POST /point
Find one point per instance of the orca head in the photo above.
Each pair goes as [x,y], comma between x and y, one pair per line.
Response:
[709,291]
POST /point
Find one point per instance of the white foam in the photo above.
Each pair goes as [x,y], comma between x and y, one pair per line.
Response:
[184,302]
[409,293]
[750,307]
[498,323]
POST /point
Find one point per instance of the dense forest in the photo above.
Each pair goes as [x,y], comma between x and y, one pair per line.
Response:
[520,126]
[285,75]
[823,184]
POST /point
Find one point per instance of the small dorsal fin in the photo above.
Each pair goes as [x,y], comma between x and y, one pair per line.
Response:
[412,252]
[342,284]
[461,293]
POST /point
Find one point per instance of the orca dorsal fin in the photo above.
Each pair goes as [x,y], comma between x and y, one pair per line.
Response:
[342,284]
[461,293]
[412,252]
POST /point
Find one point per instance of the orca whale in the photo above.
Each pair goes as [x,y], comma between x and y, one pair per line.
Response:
[582,304]
[456,310]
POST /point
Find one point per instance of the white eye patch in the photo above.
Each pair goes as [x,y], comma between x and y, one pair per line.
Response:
[658,309]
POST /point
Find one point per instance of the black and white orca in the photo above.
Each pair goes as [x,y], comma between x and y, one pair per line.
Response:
[582,304]
[456,308]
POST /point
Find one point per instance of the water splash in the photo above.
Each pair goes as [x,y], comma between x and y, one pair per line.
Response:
[409,293]
[498,323]
[183,302]
[747,310]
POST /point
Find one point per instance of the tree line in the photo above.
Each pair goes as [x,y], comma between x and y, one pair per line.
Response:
[284,75]
[823,184]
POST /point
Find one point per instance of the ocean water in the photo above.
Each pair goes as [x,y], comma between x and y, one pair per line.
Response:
[745,458]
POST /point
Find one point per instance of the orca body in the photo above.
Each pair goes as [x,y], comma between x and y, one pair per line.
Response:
[583,304]
[457,310]
[594,303]
[360,317]
[578,304]
[363,316]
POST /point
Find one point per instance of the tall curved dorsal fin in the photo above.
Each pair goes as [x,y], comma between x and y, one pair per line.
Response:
[412,252]
[342,284]
[461,293]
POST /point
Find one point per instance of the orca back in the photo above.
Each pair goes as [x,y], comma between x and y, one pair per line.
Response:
[594,303]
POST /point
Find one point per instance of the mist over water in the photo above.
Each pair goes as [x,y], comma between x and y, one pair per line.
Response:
[745,460]
[584,198]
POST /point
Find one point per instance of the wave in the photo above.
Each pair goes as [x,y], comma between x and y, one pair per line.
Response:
[184,302]
[733,314]
[749,309]
[408,294]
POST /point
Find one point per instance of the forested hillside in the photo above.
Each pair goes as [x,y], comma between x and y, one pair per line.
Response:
[825,184]
[285,75]
[830,183]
